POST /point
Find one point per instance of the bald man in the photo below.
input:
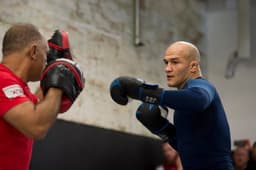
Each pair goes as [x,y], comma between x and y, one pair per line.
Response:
[182,63]
[200,132]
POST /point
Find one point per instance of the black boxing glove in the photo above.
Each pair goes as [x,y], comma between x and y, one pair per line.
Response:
[123,87]
[59,46]
[66,75]
[154,118]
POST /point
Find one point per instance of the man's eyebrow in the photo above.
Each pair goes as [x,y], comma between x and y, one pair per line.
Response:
[170,59]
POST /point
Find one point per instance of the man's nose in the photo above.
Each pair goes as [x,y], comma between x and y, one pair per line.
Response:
[168,67]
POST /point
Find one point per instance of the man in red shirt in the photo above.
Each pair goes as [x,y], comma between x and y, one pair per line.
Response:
[23,115]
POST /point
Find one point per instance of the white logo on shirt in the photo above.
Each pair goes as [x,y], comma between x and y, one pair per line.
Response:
[13,91]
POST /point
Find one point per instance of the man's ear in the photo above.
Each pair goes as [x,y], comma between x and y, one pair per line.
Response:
[32,50]
[194,66]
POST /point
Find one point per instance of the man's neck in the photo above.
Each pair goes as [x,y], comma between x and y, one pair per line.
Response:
[17,65]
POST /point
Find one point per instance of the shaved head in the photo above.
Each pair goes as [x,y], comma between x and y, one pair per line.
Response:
[182,62]
[186,49]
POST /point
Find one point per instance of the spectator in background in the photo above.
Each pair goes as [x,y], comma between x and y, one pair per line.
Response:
[252,160]
[240,158]
[171,158]
[253,154]
[245,144]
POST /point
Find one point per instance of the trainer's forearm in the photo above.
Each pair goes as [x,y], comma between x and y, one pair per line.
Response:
[39,93]
[47,110]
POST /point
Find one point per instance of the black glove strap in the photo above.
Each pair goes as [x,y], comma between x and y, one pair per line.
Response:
[151,94]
